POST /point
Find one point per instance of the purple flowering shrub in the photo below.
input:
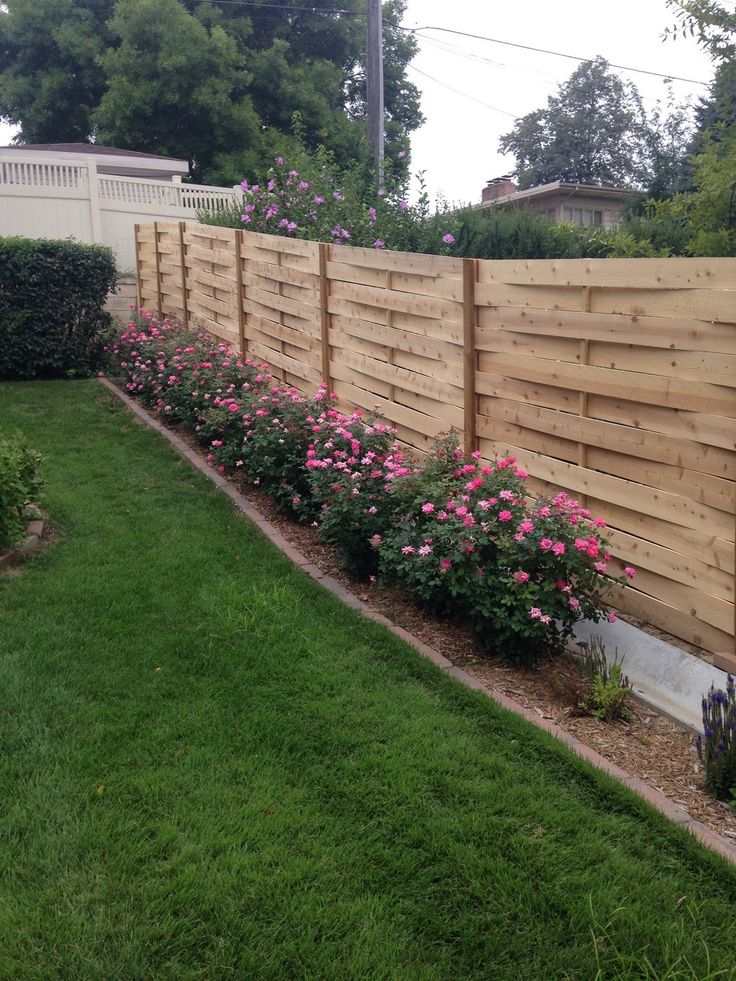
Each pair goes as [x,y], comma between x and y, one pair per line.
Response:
[716,745]
[353,463]
[469,545]
[319,202]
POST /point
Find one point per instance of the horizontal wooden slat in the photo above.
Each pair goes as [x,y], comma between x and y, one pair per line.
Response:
[278,243]
[678,622]
[281,332]
[699,366]
[275,357]
[671,564]
[275,301]
[643,443]
[414,382]
[672,507]
[409,262]
[280,273]
[674,393]
[672,273]
[403,340]
[687,334]
[712,430]
[428,306]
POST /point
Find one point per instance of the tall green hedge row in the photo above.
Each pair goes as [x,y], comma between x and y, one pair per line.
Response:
[52,295]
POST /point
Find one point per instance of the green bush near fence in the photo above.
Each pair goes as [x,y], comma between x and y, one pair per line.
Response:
[52,297]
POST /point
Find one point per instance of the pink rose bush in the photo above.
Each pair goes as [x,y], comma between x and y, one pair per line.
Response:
[460,535]
[353,464]
[469,545]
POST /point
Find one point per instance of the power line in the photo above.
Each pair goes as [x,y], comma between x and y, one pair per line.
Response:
[464,94]
[558,54]
[285,8]
[459,52]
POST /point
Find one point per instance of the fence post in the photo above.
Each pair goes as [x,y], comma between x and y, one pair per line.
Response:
[583,396]
[242,341]
[159,293]
[94,202]
[182,261]
[138,266]
[470,274]
[324,297]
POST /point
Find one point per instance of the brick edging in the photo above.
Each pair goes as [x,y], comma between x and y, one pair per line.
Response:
[654,797]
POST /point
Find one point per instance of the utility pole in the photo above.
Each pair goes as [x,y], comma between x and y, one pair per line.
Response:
[374,84]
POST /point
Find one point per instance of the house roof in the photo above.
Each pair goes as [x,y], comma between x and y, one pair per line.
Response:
[96,148]
[555,187]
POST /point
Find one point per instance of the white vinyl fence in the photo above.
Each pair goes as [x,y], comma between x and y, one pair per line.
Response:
[53,198]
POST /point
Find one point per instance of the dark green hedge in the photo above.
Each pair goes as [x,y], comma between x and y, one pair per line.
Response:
[52,295]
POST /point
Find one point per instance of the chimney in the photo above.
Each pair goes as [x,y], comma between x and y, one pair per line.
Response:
[499,187]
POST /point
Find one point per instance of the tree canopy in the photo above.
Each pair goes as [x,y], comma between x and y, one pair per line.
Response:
[216,84]
[593,131]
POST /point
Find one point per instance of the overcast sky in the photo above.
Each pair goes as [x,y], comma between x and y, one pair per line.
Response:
[478,87]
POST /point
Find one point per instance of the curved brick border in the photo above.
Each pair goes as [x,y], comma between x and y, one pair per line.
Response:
[653,797]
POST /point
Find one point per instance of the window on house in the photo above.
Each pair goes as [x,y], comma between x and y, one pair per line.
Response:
[585,217]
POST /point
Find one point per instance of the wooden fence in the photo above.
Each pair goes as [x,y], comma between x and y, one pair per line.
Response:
[613,379]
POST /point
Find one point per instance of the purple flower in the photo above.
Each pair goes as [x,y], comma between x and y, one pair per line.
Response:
[337,196]
[403,205]
[280,161]
[448,239]
[318,199]
[378,244]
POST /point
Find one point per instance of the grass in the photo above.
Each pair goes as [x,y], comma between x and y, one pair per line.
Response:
[211,769]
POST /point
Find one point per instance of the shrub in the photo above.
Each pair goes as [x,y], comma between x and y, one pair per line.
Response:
[233,406]
[274,445]
[352,464]
[716,745]
[52,294]
[320,202]
[607,687]
[20,485]
[520,576]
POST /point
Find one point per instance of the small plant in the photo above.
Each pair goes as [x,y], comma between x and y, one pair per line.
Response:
[716,745]
[608,688]
[20,485]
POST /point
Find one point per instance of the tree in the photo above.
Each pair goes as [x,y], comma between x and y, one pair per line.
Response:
[142,75]
[594,131]
[173,85]
[668,141]
[50,79]
[711,22]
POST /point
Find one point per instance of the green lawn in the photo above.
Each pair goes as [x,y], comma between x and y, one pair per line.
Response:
[211,769]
